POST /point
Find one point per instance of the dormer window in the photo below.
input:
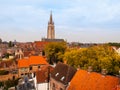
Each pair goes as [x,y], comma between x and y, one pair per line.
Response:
[56,74]
[62,78]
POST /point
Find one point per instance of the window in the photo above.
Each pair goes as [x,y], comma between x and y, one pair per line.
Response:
[30,68]
[53,86]
[56,74]
[61,89]
[62,78]
[34,74]
[38,67]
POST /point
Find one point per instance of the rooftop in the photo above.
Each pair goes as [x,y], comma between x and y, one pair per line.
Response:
[23,63]
[93,81]
[63,73]
[42,74]
[33,60]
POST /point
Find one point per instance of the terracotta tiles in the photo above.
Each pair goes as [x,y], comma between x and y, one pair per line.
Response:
[42,74]
[92,81]
[23,63]
[36,60]
[33,60]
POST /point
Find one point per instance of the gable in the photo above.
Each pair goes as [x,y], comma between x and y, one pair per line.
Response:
[63,73]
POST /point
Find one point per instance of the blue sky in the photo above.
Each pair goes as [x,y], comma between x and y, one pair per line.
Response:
[75,20]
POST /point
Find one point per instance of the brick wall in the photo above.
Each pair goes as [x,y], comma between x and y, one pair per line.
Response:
[55,85]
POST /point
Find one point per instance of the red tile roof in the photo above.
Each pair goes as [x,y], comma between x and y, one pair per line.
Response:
[23,63]
[8,63]
[42,74]
[27,53]
[118,87]
[36,60]
[40,43]
[92,81]
[33,60]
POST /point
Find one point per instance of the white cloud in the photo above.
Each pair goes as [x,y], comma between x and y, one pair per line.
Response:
[74,19]
[91,35]
[93,11]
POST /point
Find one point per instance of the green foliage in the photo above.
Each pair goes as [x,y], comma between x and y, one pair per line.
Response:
[114,44]
[9,83]
[99,57]
[1,83]
[6,55]
[55,51]
[10,44]
[0,59]
[3,72]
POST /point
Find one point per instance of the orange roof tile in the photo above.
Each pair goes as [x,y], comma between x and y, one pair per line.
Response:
[118,87]
[42,74]
[35,60]
[5,63]
[23,63]
[92,81]
[40,43]
[27,53]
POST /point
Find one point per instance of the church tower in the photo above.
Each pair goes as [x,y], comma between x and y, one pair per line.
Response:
[50,29]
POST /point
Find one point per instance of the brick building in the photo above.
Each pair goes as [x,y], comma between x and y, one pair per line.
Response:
[61,76]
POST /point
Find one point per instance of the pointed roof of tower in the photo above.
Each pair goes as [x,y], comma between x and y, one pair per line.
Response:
[51,20]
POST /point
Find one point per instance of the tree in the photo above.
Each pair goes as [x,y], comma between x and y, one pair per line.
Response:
[99,57]
[55,51]
[114,44]
[10,44]
[0,40]
[72,57]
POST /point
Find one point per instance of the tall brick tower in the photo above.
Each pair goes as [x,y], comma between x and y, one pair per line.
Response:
[50,30]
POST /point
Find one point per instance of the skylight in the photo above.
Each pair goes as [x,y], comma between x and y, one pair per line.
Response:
[56,74]
[62,78]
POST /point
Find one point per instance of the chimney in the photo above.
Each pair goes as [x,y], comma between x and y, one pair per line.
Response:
[90,69]
[104,72]
[78,67]
[119,72]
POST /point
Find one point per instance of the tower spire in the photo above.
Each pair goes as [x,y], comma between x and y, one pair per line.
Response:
[51,31]
[51,20]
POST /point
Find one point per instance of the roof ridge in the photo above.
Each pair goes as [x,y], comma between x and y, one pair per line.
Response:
[67,75]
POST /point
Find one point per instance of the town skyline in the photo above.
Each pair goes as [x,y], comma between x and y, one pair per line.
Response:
[79,21]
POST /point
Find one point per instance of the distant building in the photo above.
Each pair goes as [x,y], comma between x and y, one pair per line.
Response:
[35,62]
[31,64]
[0,40]
[51,32]
[9,64]
[40,45]
[23,66]
[42,77]
[52,40]
[19,53]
